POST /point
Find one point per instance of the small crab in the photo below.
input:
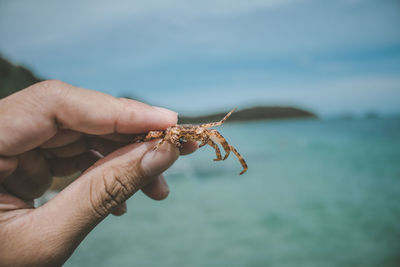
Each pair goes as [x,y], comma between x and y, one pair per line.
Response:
[179,134]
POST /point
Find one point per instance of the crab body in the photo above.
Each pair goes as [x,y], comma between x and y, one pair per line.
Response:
[179,134]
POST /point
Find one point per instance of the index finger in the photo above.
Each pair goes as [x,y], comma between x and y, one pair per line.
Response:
[32,116]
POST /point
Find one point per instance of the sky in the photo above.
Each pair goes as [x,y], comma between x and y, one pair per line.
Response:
[330,57]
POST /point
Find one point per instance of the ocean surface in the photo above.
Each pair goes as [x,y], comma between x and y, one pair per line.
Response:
[317,193]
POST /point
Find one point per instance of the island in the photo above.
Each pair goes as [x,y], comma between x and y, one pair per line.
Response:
[14,77]
[252,114]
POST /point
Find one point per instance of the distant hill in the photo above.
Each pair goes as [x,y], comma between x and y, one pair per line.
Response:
[255,113]
[14,78]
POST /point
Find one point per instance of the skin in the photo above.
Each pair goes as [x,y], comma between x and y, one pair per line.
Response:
[49,129]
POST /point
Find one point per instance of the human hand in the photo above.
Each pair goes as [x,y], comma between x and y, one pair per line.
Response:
[50,129]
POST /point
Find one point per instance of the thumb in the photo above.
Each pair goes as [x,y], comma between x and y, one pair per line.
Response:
[117,177]
[107,184]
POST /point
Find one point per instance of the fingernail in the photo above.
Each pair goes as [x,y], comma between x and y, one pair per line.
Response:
[154,162]
[166,111]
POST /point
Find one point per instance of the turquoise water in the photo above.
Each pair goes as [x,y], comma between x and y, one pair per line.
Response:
[317,193]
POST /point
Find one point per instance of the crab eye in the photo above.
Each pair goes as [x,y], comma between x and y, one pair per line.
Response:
[182,140]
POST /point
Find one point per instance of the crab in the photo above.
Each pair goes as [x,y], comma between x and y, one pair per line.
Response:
[183,133]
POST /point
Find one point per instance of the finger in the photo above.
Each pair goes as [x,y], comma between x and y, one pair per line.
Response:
[69,150]
[117,137]
[52,105]
[103,187]
[104,146]
[10,203]
[66,166]
[7,166]
[119,210]
[31,178]
[81,162]
[188,148]
[62,138]
[157,189]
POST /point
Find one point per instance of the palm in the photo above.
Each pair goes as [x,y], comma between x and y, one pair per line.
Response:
[51,129]
[66,153]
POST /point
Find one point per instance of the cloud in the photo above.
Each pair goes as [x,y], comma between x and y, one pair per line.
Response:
[198,28]
[358,94]
[213,47]
[54,21]
[181,8]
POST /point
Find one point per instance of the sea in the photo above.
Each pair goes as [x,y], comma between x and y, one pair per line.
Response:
[318,192]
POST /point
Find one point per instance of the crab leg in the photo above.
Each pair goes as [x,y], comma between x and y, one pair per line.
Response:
[139,138]
[149,136]
[217,151]
[217,137]
[212,124]
[179,134]
[159,144]
[204,140]
[241,159]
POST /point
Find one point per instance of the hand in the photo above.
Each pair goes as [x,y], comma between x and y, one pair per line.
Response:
[51,129]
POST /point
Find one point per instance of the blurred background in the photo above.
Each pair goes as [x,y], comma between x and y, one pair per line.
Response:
[323,185]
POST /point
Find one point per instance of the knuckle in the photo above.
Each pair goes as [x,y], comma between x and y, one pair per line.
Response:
[49,86]
[115,186]
[53,90]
